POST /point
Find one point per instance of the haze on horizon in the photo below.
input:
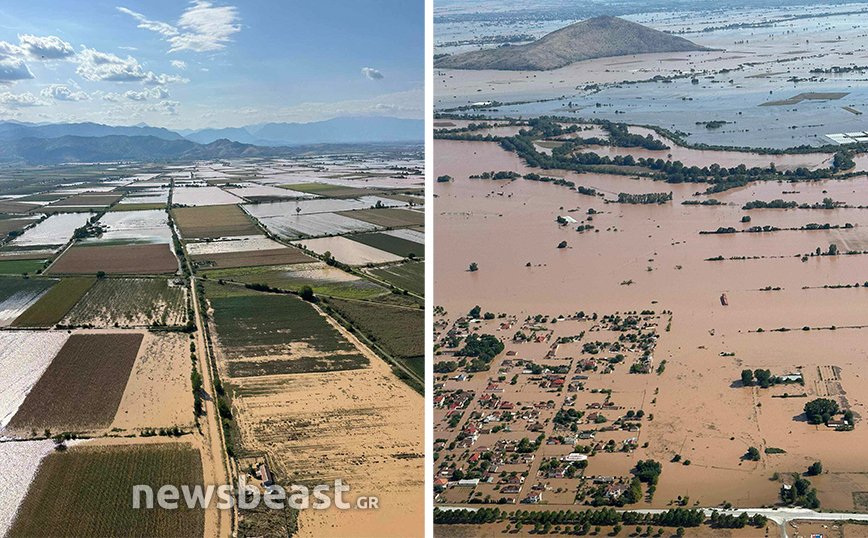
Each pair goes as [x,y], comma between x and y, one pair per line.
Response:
[210,64]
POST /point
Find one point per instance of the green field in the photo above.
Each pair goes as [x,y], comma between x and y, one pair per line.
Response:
[286,334]
[393,245]
[137,207]
[400,331]
[293,277]
[51,307]
[86,492]
[407,276]
[18,267]
[130,302]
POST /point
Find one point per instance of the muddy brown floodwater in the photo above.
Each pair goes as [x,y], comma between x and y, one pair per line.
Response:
[653,257]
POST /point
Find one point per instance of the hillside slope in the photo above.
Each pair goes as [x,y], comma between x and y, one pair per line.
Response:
[599,37]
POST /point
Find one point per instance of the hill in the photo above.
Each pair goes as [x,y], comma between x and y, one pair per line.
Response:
[18,130]
[599,37]
[334,131]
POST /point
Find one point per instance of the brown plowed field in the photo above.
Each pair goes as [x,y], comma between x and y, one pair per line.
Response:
[213,221]
[255,258]
[118,260]
[83,385]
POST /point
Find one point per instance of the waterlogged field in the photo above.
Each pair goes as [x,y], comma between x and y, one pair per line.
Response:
[24,356]
[129,227]
[19,462]
[409,276]
[55,303]
[347,251]
[213,222]
[203,196]
[18,294]
[314,225]
[323,205]
[266,334]
[83,385]
[96,481]
[56,230]
[130,302]
[232,244]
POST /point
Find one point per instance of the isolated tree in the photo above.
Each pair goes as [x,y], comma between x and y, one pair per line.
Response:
[753,454]
[306,293]
[815,469]
[474,267]
[747,378]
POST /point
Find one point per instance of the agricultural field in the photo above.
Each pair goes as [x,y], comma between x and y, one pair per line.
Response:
[130,302]
[18,294]
[388,217]
[20,267]
[159,392]
[54,231]
[347,251]
[266,193]
[265,334]
[400,331]
[278,256]
[409,276]
[84,200]
[213,222]
[321,205]
[15,225]
[87,480]
[133,227]
[322,278]
[55,303]
[83,385]
[24,356]
[314,225]
[391,244]
[203,196]
[18,465]
[329,190]
[153,259]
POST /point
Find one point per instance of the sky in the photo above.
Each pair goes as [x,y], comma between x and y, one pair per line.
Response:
[209,63]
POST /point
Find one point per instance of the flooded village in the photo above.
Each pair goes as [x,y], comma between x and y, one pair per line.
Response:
[638,315]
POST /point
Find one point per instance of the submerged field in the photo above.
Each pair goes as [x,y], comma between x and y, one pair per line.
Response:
[24,356]
[17,294]
[54,304]
[89,492]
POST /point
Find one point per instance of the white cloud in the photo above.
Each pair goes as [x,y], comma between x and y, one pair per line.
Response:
[59,92]
[8,50]
[20,99]
[372,73]
[157,80]
[111,97]
[157,26]
[12,69]
[178,64]
[94,66]
[46,48]
[144,95]
[201,28]
[165,107]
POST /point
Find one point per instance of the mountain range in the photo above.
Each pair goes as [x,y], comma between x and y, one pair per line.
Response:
[52,143]
[598,37]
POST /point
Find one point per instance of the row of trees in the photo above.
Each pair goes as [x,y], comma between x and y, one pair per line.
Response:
[676,517]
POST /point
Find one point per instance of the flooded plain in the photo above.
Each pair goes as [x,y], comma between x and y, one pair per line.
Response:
[653,257]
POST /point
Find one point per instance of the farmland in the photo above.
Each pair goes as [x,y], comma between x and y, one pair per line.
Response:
[394,245]
[18,465]
[388,217]
[19,267]
[408,276]
[83,385]
[51,307]
[153,259]
[18,294]
[347,251]
[130,302]
[24,355]
[87,488]
[313,225]
[253,258]
[398,330]
[328,190]
[323,279]
[266,334]
[213,222]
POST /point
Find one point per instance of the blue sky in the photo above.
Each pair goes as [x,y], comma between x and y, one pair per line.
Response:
[209,63]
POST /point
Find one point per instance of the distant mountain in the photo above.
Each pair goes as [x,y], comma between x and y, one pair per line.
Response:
[599,37]
[335,131]
[120,148]
[16,131]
